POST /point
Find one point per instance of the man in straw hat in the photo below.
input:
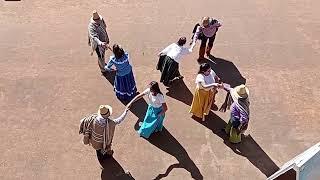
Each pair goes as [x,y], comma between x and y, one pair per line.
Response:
[98,130]
[237,101]
[98,38]
[204,31]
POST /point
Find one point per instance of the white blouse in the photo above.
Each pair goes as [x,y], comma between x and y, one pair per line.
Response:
[154,101]
[205,79]
[176,52]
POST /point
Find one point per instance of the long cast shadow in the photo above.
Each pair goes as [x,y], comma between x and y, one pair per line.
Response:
[180,92]
[139,108]
[247,148]
[167,143]
[226,70]
[112,170]
[110,76]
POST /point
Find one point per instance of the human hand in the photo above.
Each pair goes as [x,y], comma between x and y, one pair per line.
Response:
[220,85]
[108,47]
[103,44]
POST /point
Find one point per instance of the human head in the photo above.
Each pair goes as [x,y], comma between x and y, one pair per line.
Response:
[205,21]
[95,15]
[117,51]
[182,41]
[239,92]
[154,87]
[204,69]
[105,111]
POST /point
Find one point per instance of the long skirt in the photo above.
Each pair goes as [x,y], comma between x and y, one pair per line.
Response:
[152,122]
[125,87]
[202,101]
[234,137]
[169,69]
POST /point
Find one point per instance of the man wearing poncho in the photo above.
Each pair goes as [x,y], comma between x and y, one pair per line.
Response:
[98,130]
[98,38]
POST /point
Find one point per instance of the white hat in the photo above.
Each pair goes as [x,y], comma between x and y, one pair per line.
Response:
[105,110]
[240,91]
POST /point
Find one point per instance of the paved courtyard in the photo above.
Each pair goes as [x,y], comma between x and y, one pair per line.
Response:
[48,82]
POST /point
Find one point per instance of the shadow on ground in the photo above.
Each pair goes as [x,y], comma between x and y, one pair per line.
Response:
[247,148]
[112,170]
[226,70]
[110,76]
[180,92]
[138,108]
[167,143]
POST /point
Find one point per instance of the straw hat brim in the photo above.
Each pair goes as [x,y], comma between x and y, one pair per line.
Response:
[109,108]
[235,96]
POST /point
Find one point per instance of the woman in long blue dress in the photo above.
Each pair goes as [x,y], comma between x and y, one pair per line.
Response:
[124,83]
[153,120]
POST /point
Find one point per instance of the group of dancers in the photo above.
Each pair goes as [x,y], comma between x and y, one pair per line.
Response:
[98,128]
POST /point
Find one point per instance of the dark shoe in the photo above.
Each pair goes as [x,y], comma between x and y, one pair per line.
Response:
[224,130]
[108,155]
[214,107]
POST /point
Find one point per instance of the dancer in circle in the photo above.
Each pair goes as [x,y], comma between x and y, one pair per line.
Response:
[237,100]
[153,120]
[124,83]
[169,60]
[206,31]
[98,130]
[206,90]
[98,38]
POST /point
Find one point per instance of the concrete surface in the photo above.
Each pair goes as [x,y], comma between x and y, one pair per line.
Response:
[48,82]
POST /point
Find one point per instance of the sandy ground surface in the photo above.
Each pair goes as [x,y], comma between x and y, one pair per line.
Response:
[48,82]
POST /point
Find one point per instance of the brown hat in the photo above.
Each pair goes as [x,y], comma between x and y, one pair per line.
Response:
[95,15]
[105,110]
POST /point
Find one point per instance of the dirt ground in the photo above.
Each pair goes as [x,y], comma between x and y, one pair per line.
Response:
[48,82]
